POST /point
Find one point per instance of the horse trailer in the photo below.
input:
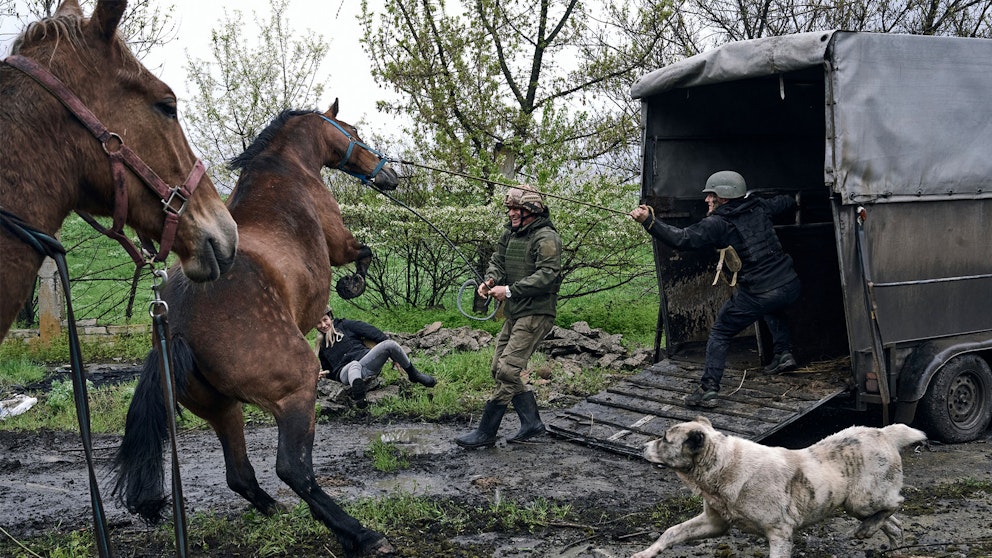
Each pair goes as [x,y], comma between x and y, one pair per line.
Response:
[885,141]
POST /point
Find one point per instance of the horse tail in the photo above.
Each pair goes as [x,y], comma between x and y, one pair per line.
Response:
[140,473]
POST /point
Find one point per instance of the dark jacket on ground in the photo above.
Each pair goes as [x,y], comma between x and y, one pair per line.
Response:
[745,224]
[350,347]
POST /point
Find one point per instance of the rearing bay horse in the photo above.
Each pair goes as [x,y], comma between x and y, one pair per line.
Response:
[84,126]
[240,339]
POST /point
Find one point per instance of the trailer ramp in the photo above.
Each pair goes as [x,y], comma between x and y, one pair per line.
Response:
[641,407]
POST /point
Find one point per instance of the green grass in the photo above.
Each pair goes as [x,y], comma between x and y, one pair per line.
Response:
[296,533]
[102,277]
[56,409]
[387,457]
[530,516]
[464,384]
[632,312]
[19,370]
[129,348]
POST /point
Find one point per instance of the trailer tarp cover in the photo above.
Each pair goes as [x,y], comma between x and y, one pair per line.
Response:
[738,60]
[905,114]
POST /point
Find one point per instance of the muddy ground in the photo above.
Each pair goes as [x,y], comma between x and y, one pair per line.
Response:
[43,487]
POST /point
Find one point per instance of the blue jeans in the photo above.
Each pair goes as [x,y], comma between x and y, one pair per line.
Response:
[742,310]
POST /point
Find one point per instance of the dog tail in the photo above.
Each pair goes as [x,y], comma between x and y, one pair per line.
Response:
[901,435]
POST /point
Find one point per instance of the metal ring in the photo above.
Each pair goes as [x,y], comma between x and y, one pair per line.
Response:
[120,143]
[156,303]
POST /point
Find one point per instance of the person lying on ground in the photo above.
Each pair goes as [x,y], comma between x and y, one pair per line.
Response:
[343,353]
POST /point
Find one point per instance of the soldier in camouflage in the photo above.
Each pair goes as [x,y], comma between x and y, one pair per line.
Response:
[524,274]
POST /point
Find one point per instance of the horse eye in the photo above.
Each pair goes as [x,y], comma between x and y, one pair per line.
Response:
[168,107]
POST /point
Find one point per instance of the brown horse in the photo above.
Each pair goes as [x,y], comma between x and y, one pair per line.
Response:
[240,339]
[51,162]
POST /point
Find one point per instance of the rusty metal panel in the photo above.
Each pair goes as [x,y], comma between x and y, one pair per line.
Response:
[640,408]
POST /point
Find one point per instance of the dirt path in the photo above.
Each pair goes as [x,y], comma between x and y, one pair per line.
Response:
[43,485]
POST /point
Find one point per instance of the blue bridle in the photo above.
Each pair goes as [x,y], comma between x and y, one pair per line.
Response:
[347,155]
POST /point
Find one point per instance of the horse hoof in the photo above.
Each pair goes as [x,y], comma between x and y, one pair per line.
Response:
[350,287]
[380,547]
[275,508]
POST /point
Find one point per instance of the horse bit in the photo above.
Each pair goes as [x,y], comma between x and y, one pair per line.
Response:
[173,199]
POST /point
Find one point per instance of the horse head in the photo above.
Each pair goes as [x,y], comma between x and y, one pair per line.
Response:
[52,163]
[348,153]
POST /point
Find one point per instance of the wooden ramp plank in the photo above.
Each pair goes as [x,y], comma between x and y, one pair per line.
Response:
[625,416]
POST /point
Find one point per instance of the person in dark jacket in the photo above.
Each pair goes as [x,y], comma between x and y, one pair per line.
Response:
[767,281]
[343,353]
[524,274]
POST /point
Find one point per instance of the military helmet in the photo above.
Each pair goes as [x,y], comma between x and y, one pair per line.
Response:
[526,197]
[726,184]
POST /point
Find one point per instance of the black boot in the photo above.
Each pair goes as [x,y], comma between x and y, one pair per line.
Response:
[530,420]
[358,389]
[485,434]
[418,377]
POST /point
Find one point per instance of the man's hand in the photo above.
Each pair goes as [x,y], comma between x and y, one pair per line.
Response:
[484,288]
[500,292]
[640,213]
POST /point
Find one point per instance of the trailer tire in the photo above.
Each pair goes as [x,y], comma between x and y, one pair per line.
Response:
[957,406]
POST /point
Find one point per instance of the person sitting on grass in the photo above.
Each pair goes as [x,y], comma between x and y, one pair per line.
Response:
[346,358]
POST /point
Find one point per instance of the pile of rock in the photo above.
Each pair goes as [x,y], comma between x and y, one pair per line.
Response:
[580,344]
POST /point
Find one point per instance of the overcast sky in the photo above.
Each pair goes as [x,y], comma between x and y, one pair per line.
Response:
[345,70]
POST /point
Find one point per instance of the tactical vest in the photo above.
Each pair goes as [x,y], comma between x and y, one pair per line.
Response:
[760,243]
[520,252]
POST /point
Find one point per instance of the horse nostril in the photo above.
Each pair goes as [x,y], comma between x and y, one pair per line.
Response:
[386,179]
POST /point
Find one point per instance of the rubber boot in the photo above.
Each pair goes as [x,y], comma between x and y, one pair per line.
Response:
[530,419]
[358,389]
[418,377]
[485,434]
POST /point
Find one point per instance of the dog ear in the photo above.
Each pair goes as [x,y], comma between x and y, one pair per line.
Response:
[695,440]
[703,420]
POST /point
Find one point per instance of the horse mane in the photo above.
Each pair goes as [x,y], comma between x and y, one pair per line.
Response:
[263,140]
[68,29]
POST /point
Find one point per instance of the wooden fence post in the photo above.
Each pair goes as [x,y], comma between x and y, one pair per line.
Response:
[51,309]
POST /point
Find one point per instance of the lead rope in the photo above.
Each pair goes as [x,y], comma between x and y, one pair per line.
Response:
[474,282]
[159,311]
[50,247]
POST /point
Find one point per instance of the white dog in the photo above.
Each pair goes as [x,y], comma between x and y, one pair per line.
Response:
[774,491]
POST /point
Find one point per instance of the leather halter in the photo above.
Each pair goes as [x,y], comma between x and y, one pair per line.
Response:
[173,199]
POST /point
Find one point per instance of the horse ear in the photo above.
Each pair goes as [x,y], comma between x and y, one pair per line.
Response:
[69,8]
[333,111]
[106,16]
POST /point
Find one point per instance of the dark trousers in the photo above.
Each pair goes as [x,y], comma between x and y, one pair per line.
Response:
[742,310]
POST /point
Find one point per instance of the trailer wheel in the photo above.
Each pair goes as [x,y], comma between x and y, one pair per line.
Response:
[958,404]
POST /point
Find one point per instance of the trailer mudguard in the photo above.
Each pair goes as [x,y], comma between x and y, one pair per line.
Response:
[930,356]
